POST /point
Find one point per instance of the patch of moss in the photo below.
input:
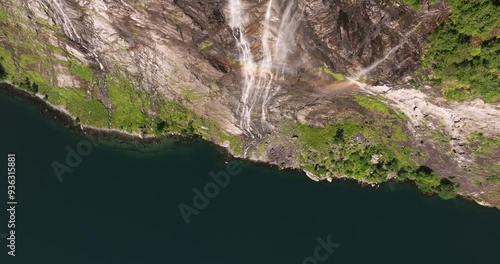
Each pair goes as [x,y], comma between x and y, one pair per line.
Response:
[236,144]
[9,70]
[493,179]
[205,45]
[335,75]
[416,4]
[189,95]
[132,111]
[44,86]
[376,104]
[126,105]
[82,71]
[372,104]
[28,61]
[483,146]
[179,119]
[90,111]
[3,14]
[440,137]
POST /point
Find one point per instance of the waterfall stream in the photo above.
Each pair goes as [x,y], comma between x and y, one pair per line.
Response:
[69,29]
[67,25]
[374,65]
[259,77]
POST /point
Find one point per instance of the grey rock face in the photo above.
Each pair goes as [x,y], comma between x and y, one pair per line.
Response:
[307,56]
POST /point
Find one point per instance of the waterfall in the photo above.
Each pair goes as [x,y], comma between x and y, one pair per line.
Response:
[259,77]
[374,65]
[69,29]
[67,25]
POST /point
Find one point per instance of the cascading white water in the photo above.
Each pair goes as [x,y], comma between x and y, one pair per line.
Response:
[374,65]
[259,77]
[70,30]
[68,27]
[237,23]
[267,61]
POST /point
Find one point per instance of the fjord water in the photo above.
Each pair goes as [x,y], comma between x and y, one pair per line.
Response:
[120,205]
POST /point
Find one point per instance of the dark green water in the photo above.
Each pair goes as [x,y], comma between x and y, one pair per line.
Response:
[121,206]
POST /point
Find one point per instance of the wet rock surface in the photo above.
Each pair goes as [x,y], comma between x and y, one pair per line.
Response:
[178,47]
[354,35]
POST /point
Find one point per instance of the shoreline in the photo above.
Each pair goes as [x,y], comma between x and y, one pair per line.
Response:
[68,120]
[118,136]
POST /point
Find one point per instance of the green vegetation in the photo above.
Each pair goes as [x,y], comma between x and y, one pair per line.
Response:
[371,150]
[36,68]
[416,4]
[362,151]
[82,71]
[3,14]
[475,17]
[464,52]
[236,143]
[127,105]
[373,104]
[90,111]
[206,45]
[132,111]
[8,67]
[189,95]
[26,84]
[3,72]
[336,76]
[178,119]
[351,146]
[440,137]
[494,179]
[44,87]
[483,146]
[28,60]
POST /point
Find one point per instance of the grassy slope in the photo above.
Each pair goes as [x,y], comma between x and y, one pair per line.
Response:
[28,60]
[30,63]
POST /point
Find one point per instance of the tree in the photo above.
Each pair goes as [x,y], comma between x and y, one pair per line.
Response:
[3,73]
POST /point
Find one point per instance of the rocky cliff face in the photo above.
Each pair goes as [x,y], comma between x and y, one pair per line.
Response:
[319,85]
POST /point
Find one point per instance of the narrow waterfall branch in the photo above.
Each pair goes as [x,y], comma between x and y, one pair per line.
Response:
[259,76]
[374,65]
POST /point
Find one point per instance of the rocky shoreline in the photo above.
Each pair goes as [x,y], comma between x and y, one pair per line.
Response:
[115,135]
[68,120]
[171,69]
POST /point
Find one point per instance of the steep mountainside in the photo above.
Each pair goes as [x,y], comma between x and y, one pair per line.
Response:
[336,88]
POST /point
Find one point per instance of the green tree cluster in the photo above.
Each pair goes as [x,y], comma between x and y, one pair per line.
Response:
[464,52]
[28,85]
[3,72]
